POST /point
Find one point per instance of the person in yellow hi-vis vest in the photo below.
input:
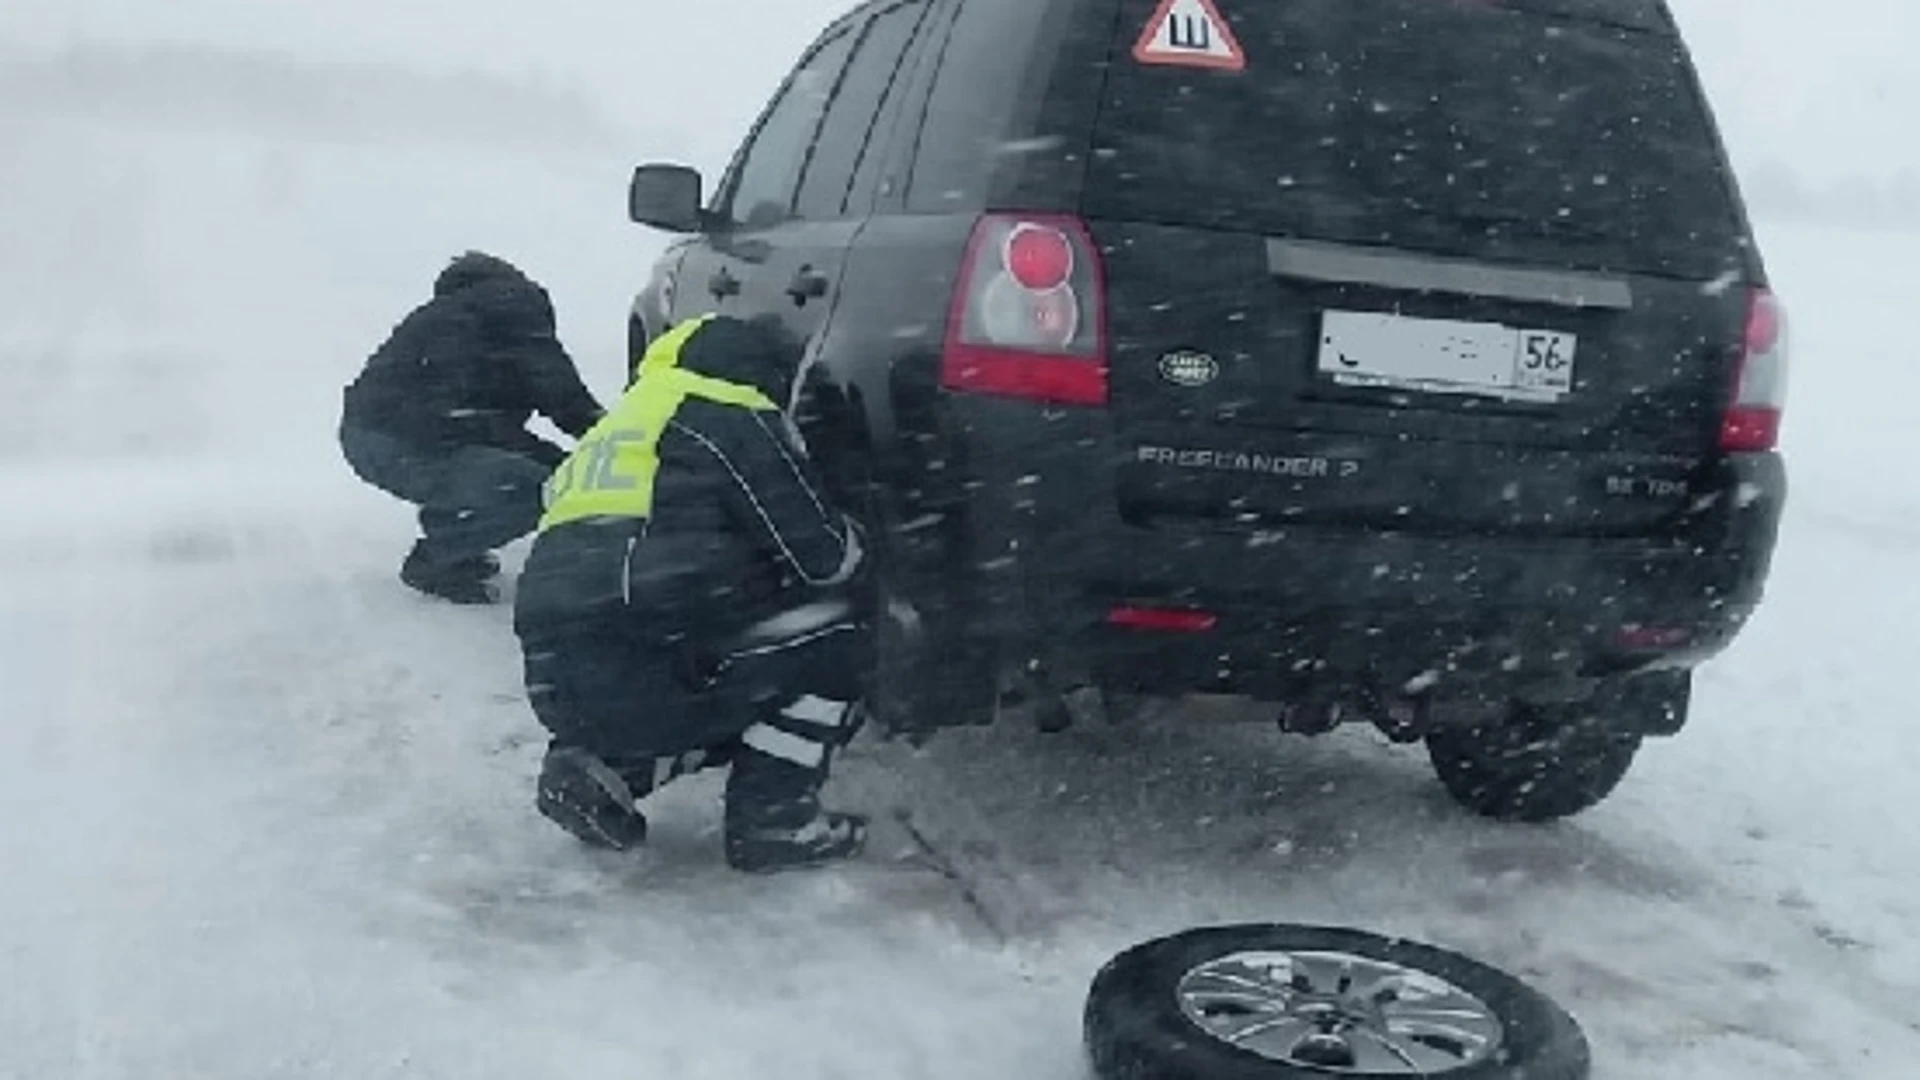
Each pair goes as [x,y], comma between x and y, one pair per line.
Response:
[691,601]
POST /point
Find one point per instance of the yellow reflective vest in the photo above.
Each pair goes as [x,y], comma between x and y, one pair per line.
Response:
[665,351]
[611,472]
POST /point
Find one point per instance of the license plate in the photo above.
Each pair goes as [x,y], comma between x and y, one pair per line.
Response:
[1442,356]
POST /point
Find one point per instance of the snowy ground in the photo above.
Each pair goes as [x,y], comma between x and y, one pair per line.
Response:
[265,814]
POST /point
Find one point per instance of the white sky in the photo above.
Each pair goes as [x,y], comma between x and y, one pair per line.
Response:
[1823,87]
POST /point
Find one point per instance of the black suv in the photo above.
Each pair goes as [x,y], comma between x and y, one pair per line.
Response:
[1405,361]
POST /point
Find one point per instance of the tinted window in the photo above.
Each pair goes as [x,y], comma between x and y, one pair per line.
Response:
[769,174]
[1467,129]
[983,70]
[823,193]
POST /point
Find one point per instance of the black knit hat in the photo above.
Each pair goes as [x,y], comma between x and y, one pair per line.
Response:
[757,353]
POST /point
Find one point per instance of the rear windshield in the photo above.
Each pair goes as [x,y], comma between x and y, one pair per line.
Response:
[1463,127]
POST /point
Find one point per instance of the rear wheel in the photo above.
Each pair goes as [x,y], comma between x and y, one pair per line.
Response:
[1534,763]
[927,676]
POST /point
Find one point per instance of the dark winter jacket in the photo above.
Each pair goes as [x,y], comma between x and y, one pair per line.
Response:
[734,527]
[472,365]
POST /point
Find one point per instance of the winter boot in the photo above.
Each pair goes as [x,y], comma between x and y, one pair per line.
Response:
[484,566]
[590,799]
[598,801]
[774,820]
[465,581]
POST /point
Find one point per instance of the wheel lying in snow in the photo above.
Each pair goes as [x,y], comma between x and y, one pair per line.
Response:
[1281,1002]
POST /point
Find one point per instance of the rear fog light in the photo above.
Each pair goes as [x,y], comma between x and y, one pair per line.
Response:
[1172,620]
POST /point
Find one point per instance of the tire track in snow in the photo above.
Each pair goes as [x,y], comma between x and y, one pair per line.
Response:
[1668,960]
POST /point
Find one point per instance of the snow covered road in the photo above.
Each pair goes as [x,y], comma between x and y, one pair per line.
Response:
[262,813]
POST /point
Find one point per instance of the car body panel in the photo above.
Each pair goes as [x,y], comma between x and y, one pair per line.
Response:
[1403,538]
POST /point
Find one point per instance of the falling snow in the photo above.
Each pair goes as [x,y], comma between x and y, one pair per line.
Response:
[267,814]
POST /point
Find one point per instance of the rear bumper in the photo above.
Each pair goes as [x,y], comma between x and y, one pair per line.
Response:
[1049,562]
[1408,617]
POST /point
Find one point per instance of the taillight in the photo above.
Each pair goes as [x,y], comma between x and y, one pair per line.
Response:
[1752,423]
[1028,317]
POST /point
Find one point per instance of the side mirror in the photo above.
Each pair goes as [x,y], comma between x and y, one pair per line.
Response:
[666,197]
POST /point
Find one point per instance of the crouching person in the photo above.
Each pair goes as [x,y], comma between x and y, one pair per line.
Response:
[437,418]
[689,602]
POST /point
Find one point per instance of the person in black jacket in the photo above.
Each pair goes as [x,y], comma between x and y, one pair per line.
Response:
[692,600]
[438,417]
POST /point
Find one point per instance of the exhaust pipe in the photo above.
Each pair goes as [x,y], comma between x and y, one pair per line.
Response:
[1315,714]
[1403,719]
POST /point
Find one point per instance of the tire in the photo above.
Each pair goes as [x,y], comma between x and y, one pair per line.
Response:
[1533,764]
[923,679]
[1136,1026]
[924,684]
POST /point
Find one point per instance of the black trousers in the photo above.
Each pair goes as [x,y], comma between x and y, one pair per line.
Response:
[614,687]
[472,499]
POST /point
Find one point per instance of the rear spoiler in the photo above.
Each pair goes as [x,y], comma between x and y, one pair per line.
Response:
[1651,16]
[1341,264]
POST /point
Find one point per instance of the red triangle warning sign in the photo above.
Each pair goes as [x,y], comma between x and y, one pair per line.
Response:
[1190,33]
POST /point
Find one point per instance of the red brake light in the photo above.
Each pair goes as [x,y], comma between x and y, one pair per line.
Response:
[1752,421]
[1028,313]
[1038,257]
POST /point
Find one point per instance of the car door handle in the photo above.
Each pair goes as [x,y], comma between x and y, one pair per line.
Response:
[808,284]
[723,284]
